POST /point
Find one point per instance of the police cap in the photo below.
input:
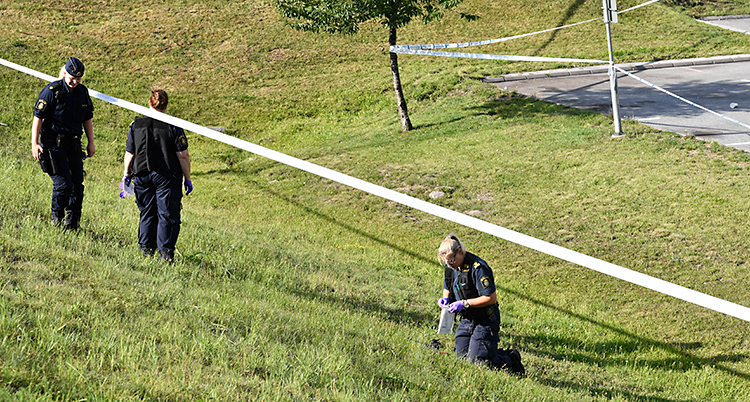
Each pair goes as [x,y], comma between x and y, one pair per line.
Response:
[74,67]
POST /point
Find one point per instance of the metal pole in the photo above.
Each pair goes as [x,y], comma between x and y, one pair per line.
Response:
[612,75]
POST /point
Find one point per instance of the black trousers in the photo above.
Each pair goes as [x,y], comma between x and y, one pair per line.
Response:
[477,341]
[67,178]
[159,198]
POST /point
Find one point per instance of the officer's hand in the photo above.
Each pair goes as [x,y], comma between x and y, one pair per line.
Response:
[443,302]
[90,149]
[35,150]
[188,187]
[455,307]
[125,187]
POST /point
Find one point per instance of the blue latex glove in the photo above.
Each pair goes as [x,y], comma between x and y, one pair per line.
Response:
[125,187]
[188,187]
[455,307]
[443,302]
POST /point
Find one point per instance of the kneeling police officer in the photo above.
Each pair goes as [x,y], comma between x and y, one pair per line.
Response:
[469,289]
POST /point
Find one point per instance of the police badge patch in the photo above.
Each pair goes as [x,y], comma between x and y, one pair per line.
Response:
[41,105]
[485,281]
[182,139]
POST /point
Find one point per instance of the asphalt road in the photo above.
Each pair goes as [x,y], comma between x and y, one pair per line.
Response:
[721,84]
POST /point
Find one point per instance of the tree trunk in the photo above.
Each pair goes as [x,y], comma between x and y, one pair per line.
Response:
[403,112]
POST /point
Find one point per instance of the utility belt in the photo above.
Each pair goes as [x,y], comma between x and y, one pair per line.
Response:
[62,140]
[482,314]
[49,157]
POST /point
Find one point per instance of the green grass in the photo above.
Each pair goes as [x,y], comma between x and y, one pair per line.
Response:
[697,8]
[290,287]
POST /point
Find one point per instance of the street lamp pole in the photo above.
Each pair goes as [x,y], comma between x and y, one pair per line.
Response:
[610,15]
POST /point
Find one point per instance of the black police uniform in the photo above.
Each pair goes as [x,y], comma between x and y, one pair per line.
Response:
[63,111]
[478,330]
[157,181]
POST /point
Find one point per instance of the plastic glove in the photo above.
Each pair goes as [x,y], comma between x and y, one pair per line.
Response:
[443,302]
[455,307]
[126,186]
[188,187]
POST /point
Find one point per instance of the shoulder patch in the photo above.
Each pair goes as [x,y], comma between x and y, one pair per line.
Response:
[182,139]
[485,281]
[41,105]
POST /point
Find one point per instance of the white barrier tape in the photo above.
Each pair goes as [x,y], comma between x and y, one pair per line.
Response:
[638,6]
[680,292]
[494,56]
[28,71]
[394,48]
[486,42]
[682,99]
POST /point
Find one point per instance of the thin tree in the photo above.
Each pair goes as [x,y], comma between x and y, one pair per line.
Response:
[344,17]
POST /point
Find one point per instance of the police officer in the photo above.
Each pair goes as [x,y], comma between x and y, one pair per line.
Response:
[62,113]
[156,160]
[469,289]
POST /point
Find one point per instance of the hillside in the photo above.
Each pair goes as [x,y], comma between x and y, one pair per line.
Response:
[290,287]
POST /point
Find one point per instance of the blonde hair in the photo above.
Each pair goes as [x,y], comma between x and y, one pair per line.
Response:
[159,99]
[62,72]
[450,245]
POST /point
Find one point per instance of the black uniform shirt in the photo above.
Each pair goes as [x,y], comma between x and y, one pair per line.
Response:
[481,279]
[63,110]
[154,145]
[473,279]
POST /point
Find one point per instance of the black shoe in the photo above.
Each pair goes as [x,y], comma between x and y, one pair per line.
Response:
[166,256]
[57,218]
[515,362]
[72,220]
[147,251]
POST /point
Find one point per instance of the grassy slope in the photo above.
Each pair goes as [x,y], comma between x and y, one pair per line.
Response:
[290,287]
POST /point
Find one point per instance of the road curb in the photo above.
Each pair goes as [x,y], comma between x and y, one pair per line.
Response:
[602,69]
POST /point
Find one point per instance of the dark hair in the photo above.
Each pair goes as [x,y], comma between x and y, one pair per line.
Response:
[159,99]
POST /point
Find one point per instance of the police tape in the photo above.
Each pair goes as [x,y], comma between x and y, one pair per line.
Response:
[402,48]
[638,6]
[484,42]
[494,56]
[607,268]
[689,102]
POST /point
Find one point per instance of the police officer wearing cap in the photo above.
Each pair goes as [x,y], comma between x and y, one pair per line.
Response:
[156,161]
[63,112]
[469,289]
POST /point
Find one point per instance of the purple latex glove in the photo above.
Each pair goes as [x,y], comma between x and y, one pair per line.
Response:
[443,302]
[126,180]
[188,187]
[455,307]
[123,193]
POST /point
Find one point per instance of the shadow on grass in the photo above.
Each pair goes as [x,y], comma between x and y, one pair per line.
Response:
[509,105]
[308,291]
[684,361]
[572,9]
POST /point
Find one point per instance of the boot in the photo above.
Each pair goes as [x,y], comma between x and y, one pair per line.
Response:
[515,362]
[166,256]
[57,218]
[72,220]
[147,251]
